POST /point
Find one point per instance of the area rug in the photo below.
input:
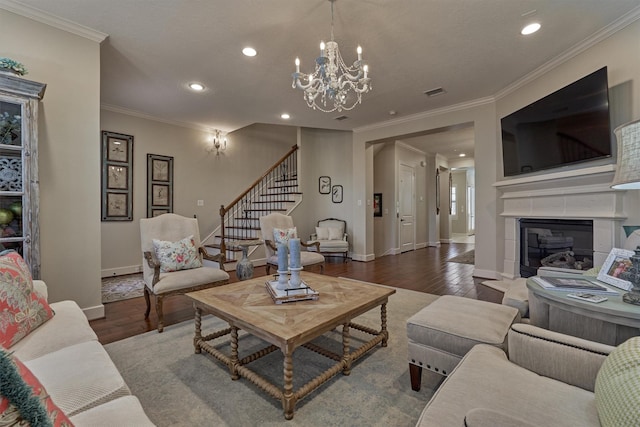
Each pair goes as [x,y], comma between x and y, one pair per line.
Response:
[179,388]
[119,288]
[468,257]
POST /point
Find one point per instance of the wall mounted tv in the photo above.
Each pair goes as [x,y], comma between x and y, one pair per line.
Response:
[569,126]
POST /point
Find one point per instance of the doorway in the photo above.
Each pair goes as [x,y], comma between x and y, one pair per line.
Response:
[406,209]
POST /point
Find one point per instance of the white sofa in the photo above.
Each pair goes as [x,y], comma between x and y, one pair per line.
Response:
[65,356]
[547,379]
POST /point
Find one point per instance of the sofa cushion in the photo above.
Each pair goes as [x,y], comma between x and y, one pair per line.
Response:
[175,256]
[79,377]
[482,417]
[23,399]
[188,278]
[68,327]
[123,411]
[486,379]
[617,387]
[21,308]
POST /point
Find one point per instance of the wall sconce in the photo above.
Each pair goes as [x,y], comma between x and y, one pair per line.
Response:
[219,142]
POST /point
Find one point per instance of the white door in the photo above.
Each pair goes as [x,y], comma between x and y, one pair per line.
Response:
[406,208]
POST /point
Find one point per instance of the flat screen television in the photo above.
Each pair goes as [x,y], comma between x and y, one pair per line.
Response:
[569,126]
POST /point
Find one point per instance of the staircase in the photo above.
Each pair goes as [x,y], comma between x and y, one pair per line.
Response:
[275,191]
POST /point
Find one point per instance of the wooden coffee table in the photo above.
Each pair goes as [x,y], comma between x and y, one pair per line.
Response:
[248,306]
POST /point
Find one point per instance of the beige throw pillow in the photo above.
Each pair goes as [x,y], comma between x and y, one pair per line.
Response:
[334,233]
[322,233]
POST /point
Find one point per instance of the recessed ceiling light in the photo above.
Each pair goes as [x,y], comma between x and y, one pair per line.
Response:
[198,87]
[285,116]
[462,155]
[530,29]
[249,51]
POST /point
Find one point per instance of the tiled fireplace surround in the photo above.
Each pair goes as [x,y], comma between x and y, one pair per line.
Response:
[579,194]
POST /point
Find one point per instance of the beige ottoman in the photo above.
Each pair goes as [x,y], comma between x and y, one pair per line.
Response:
[444,331]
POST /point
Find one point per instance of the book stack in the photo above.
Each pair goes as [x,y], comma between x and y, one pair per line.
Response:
[574,284]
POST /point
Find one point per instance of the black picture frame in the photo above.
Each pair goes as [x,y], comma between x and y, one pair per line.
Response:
[159,185]
[117,177]
[324,185]
[336,194]
[377,204]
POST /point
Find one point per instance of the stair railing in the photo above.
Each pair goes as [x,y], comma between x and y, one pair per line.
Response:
[267,194]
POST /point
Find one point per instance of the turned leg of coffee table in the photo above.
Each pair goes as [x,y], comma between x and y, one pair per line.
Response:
[288,398]
[234,362]
[198,336]
[346,355]
[383,327]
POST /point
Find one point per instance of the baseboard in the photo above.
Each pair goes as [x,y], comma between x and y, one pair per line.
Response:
[446,241]
[96,312]
[365,258]
[486,274]
[433,244]
[421,245]
[120,271]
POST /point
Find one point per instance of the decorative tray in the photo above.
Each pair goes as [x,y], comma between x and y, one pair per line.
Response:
[304,292]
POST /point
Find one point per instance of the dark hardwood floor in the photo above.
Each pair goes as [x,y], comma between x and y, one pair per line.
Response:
[423,270]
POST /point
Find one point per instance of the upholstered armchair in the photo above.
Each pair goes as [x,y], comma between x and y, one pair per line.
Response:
[284,222]
[332,237]
[173,260]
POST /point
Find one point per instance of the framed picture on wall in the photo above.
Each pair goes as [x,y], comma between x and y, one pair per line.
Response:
[336,194]
[117,177]
[159,185]
[324,185]
[377,204]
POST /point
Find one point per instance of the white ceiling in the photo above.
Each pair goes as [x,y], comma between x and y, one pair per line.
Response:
[471,48]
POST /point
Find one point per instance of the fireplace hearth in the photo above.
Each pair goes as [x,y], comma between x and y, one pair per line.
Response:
[560,243]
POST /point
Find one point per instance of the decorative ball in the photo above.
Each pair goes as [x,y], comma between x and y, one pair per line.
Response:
[16,208]
[5,216]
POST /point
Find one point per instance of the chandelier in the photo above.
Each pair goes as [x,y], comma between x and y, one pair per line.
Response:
[333,85]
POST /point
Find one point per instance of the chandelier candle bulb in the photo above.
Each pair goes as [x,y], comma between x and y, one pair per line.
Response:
[359,50]
[294,250]
[322,46]
[297,65]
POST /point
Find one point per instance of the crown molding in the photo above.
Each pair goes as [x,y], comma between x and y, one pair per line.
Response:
[426,114]
[586,44]
[54,21]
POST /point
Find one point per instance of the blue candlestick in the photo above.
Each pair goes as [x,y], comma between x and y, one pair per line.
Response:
[282,257]
[294,250]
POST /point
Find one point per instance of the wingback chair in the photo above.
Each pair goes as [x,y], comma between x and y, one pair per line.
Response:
[285,222]
[173,251]
[331,234]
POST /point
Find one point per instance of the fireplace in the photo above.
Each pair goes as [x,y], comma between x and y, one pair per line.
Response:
[559,243]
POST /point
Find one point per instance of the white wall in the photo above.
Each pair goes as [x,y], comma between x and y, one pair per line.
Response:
[324,153]
[69,156]
[384,182]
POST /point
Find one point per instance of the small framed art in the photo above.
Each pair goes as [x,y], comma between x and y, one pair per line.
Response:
[377,204]
[336,194]
[117,177]
[324,185]
[616,263]
[159,185]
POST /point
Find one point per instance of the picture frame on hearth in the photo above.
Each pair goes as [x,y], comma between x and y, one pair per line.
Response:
[159,185]
[117,177]
[616,263]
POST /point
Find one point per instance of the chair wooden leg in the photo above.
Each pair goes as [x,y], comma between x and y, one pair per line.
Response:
[160,313]
[322,268]
[148,301]
[415,372]
[268,268]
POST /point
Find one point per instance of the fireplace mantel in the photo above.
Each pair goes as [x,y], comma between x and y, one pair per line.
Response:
[578,194]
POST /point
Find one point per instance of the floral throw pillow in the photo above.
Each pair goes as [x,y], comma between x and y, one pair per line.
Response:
[23,400]
[174,256]
[283,236]
[22,309]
